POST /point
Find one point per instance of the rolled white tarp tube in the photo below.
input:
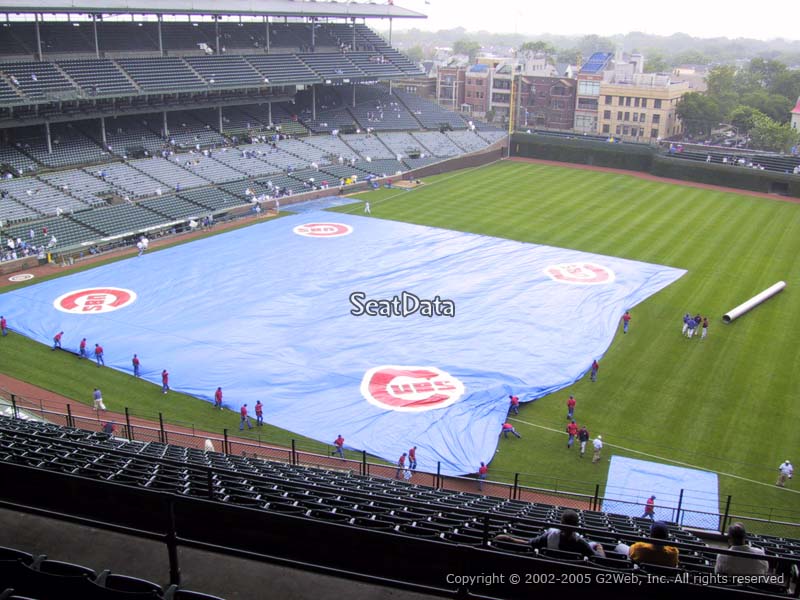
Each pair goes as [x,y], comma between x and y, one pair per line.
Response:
[745,307]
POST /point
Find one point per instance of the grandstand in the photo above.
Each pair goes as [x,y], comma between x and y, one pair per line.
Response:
[337,507]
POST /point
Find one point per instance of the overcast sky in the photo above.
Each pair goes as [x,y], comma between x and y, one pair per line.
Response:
[764,20]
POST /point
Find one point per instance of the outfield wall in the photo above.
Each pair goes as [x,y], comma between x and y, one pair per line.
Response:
[645,159]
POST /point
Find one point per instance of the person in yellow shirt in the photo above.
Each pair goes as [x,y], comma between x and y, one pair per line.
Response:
[655,552]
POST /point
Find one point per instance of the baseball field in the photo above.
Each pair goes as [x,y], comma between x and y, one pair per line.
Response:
[725,404]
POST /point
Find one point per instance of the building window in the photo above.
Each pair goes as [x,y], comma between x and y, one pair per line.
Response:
[654,133]
[606,114]
[557,104]
[636,102]
[642,117]
[609,99]
[627,100]
[656,103]
[635,117]
[656,119]
[588,88]
[587,104]
[558,90]
[586,122]
[620,101]
[641,131]
[627,116]
[606,128]
[619,129]
[625,130]
[644,102]
[619,115]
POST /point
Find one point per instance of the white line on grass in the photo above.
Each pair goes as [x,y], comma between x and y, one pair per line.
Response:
[677,462]
[405,191]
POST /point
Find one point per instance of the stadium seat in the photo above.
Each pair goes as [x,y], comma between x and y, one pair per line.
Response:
[130,585]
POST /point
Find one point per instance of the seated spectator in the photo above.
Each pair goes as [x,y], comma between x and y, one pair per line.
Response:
[655,553]
[736,565]
[564,538]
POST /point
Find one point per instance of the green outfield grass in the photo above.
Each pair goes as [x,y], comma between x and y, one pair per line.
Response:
[725,404]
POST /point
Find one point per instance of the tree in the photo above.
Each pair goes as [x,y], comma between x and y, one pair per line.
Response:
[771,135]
[590,44]
[468,47]
[772,105]
[654,62]
[415,53]
[766,72]
[743,118]
[722,86]
[538,47]
[699,113]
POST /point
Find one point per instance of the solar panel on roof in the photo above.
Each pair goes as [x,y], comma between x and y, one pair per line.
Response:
[596,62]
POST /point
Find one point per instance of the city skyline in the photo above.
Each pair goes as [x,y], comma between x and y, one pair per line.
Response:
[709,19]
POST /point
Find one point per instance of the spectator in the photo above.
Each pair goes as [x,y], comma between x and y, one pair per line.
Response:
[655,552]
[564,538]
[737,565]
[109,428]
[209,446]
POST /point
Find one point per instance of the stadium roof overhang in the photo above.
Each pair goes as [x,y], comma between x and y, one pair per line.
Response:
[273,8]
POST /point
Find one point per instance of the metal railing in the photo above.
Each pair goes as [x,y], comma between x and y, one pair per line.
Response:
[525,487]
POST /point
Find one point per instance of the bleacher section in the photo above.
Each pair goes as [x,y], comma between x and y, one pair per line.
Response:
[226,71]
[10,155]
[39,80]
[134,133]
[174,207]
[438,143]
[68,232]
[187,130]
[131,181]
[69,145]
[430,114]
[98,77]
[161,74]
[404,513]
[468,141]
[402,143]
[41,197]
[119,220]
[82,185]
[170,174]
[251,166]
[367,145]
[212,199]
[381,167]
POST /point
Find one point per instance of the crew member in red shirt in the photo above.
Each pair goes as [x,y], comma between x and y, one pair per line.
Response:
[165,381]
[98,355]
[3,326]
[136,364]
[218,398]
[401,466]
[259,413]
[57,340]
[572,430]
[514,404]
[570,407]
[650,508]
[82,349]
[626,318]
[338,445]
[509,428]
[412,458]
[245,418]
[482,475]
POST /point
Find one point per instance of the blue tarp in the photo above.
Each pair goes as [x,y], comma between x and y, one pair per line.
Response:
[264,312]
[695,492]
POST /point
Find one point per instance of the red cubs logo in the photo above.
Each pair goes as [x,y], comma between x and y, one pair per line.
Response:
[580,273]
[410,389]
[323,230]
[94,300]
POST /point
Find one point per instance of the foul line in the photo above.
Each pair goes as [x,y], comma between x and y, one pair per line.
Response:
[677,462]
[459,173]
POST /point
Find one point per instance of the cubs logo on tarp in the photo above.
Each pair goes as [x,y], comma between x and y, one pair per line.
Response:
[92,301]
[323,230]
[580,273]
[410,389]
